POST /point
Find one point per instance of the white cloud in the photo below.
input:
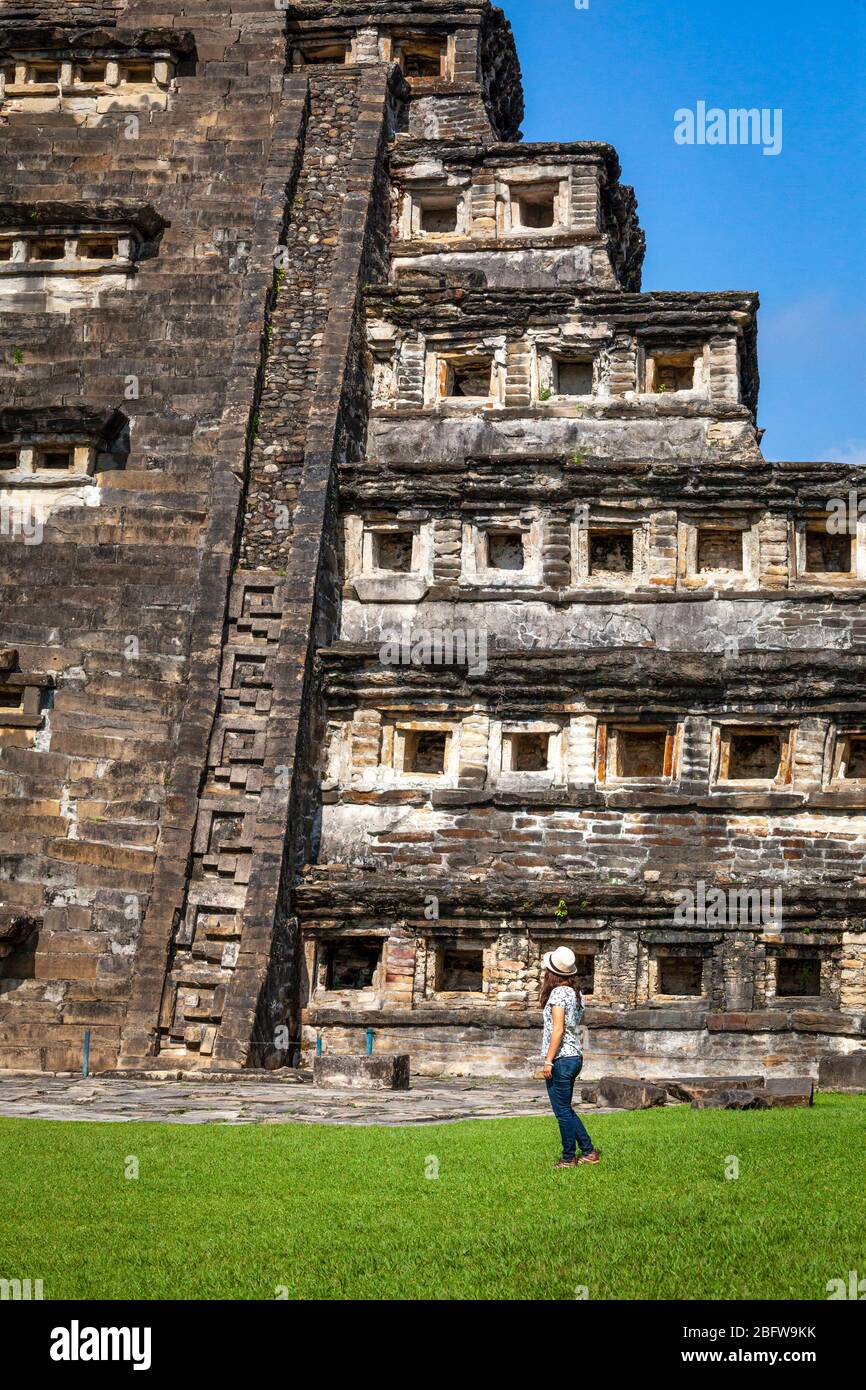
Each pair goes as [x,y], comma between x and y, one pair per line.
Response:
[848,451]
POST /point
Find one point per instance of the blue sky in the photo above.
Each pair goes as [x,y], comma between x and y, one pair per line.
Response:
[792,226]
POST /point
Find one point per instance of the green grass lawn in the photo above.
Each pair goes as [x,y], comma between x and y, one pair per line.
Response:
[237,1212]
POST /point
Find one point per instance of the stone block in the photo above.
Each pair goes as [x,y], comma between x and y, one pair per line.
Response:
[691,1088]
[837,1073]
[630,1093]
[351,1072]
[734,1099]
[788,1091]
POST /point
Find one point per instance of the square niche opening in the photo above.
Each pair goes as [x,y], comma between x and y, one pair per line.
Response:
[425,752]
[504,550]
[671,371]
[639,753]
[43,72]
[574,377]
[137,74]
[525,752]
[853,759]
[460,970]
[59,457]
[11,699]
[800,975]
[611,552]
[754,756]
[48,249]
[320,54]
[469,377]
[352,964]
[536,207]
[719,549]
[392,551]
[421,57]
[681,975]
[8,460]
[6,250]
[438,215]
[90,72]
[97,248]
[828,553]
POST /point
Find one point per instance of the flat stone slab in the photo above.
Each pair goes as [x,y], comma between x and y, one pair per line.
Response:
[630,1093]
[843,1073]
[734,1099]
[386,1072]
[697,1088]
[778,1092]
[266,1101]
[790,1090]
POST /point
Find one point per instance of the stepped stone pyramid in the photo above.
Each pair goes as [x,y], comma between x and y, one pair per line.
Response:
[391,589]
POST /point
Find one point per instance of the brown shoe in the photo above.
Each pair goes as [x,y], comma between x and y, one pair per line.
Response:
[592,1157]
[566,1163]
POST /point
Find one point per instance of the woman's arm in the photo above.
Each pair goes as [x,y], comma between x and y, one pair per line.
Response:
[557,1014]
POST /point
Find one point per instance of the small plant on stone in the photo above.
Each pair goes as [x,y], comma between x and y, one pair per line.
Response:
[578,460]
[561,910]
[545,394]
[18,356]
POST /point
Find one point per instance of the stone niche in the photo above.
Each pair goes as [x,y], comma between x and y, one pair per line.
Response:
[752,755]
[421,56]
[502,551]
[609,553]
[531,753]
[412,754]
[533,201]
[672,372]
[435,208]
[849,756]
[679,970]
[719,552]
[647,752]
[388,559]
[827,556]
[469,376]
[797,975]
[453,969]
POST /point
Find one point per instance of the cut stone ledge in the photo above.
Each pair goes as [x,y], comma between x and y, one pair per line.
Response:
[388,1072]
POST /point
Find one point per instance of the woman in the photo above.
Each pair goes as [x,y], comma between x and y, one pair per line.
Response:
[562,1002]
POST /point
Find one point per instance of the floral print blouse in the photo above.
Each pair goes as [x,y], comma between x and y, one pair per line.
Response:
[573,1004]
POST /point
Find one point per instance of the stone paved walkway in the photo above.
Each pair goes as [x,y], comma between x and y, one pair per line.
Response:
[267,1101]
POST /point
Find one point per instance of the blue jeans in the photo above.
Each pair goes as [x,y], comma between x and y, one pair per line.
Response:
[560,1089]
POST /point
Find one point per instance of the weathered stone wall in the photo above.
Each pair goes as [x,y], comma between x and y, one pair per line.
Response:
[564,544]
[122,602]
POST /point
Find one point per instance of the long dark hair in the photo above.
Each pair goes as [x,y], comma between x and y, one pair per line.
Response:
[551,981]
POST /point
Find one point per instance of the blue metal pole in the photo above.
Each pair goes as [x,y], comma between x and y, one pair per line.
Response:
[85,1068]
[370,1041]
[318,1044]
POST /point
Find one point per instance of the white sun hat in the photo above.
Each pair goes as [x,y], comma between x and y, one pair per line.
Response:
[562,961]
